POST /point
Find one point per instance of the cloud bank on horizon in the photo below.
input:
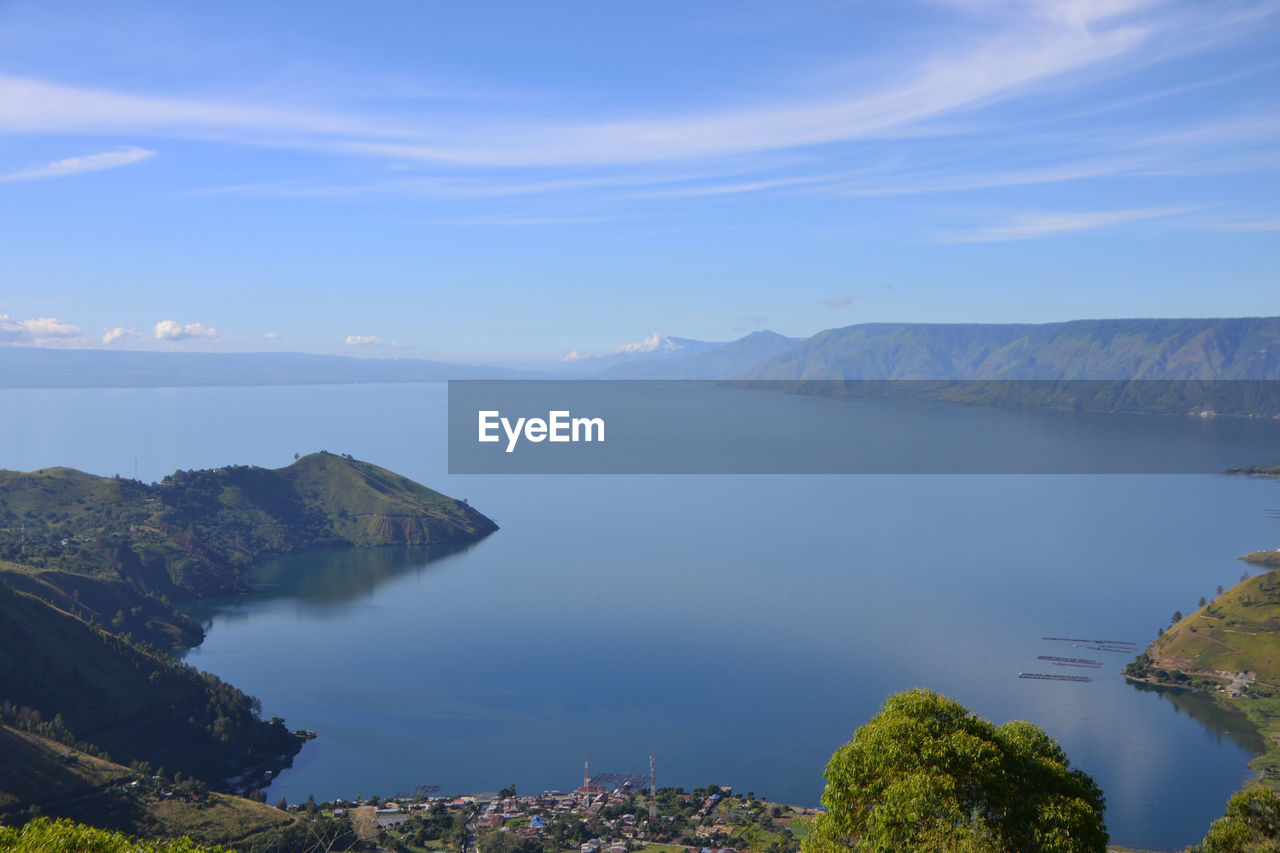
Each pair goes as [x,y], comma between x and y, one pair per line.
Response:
[495,185]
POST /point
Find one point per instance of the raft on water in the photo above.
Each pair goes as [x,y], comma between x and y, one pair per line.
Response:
[1076,661]
[1044,676]
[1083,640]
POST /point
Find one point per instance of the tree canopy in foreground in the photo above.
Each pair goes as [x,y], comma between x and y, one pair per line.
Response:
[927,774]
[42,835]
[1251,824]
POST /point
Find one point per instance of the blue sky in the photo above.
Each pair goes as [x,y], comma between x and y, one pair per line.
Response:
[515,180]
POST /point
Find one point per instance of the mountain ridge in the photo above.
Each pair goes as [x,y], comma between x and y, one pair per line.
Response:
[42,367]
[1215,348]
[197,533]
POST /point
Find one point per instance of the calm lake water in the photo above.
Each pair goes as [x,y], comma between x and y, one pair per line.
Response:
[739,628]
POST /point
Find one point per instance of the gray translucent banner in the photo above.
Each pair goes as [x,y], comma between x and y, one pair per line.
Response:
[861,427]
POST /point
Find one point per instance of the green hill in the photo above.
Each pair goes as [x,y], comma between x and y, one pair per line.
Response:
[197,532]
[1230,649]
[89,567]
[63,783]
[137,705]
[1238,632]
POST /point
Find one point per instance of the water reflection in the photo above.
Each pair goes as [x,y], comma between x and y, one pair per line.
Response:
[325,580]
[1220,723]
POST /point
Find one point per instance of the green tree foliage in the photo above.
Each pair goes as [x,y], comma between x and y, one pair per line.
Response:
[507,842]
[435,824]
[1251,824]
[926,774]
[42,835]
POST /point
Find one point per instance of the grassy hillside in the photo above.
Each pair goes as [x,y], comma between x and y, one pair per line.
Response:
[1239,631]
[63,783]
[197,532]
[87,568]
[1245,348]
[366,505]
[1230,648]
[35,770]
[58,670]
[107,600]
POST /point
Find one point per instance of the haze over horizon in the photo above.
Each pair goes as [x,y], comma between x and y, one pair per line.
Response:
[500,182]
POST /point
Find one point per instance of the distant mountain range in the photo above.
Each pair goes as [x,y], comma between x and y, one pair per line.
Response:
[1241,348]
[38,367]
[1246,348]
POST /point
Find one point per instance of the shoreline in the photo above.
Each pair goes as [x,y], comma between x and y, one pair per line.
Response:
[1181,660]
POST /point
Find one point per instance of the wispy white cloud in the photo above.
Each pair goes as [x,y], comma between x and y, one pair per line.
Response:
[950,111]
[36,330]
[1028,226]
[1252,127]
[739,187]
[79,165]
[171,330]
[922,184]
[1250,226]
[997,68]
[472,187]
[29,105]
[363,341]
[1033,43]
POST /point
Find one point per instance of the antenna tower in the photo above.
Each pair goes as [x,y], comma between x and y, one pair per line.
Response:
[653,796]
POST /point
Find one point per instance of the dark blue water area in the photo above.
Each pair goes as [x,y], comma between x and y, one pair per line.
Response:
[739,628]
